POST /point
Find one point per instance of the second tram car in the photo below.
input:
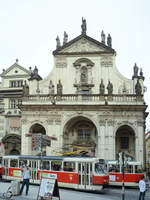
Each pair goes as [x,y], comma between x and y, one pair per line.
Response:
[82,173]
[133,173]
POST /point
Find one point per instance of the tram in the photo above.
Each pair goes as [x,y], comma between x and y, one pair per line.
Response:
[84,173]
[133,173]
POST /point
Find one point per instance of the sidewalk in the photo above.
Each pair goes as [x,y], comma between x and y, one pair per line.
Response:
[33,192]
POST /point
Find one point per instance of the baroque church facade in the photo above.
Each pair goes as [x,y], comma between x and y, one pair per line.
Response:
[84,103]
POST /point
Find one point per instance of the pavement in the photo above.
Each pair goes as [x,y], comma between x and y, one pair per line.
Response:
[66,194]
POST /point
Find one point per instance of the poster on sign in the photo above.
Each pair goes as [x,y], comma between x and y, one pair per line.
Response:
[48,189]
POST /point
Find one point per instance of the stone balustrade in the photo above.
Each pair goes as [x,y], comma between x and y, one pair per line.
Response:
[84,99]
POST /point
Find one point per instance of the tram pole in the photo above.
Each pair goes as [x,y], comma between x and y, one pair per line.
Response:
[41,151]
[123,186]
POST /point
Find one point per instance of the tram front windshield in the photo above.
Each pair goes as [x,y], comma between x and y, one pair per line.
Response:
[99,168]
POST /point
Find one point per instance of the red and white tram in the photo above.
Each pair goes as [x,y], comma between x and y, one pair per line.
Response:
[133,173]
[83,173]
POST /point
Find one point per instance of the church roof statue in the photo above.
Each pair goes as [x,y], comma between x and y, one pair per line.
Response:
[83,26]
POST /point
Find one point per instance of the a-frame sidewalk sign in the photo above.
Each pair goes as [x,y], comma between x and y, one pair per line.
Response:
[48,189]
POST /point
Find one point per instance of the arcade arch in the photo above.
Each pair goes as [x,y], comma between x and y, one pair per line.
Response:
[80,136]
[12,144]
[37,129]
[125,141]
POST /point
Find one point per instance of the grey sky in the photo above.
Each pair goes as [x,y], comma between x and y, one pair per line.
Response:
[29,29]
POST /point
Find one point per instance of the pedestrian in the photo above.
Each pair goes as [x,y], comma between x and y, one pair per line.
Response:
[142,187]
[25,171]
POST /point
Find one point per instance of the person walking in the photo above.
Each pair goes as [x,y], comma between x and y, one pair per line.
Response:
[142,187]
[25,171]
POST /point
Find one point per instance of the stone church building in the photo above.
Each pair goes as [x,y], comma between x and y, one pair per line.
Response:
[84,103]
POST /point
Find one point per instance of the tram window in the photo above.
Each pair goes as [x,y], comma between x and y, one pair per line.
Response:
[6,163]
[14,163]
[129,168]
[56,165]
[46,165]
[114,168]
[21,163]
[99,168]
[69,166]
[138,168]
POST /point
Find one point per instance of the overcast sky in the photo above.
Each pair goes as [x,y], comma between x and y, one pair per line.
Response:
[28,30]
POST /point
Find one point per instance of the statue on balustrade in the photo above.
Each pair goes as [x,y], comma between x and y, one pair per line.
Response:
[102,88]
[138,88]
[59,88]
[51,87]
[110,88]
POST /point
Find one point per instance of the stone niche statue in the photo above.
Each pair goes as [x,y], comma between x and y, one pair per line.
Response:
[51,87]
[135,70]
[59,88]
[102,88]
[110,88]
[84,75]
[83,26]
[138,88]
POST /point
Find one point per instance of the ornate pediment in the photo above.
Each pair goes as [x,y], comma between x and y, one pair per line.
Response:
[81,45]
[15,70]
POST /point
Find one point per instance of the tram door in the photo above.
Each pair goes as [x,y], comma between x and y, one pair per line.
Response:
[33,170]
[85,174]
[6,165]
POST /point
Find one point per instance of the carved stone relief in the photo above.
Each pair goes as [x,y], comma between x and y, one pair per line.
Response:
[50,121]
[106,61]
[82,46]
[57,122]
[61,63]
[111,122]
[140,123]
[102,123]
[24,121]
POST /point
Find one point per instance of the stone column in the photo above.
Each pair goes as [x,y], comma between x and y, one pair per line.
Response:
[140,142]
[50,132]
[26,142]
[101,139]
[111,141]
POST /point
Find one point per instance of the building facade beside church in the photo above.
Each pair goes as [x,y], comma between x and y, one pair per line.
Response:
[84,102]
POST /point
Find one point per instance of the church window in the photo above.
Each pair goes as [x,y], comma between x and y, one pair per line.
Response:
[84,134]
[18,83]
[124,142]
[12,103]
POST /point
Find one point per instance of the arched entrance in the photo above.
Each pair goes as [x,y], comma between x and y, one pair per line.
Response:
[125,141]
[12,144]
[80,137]
[37,129]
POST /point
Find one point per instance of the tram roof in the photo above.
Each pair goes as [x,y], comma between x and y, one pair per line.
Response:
[30,157]
[65,158]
